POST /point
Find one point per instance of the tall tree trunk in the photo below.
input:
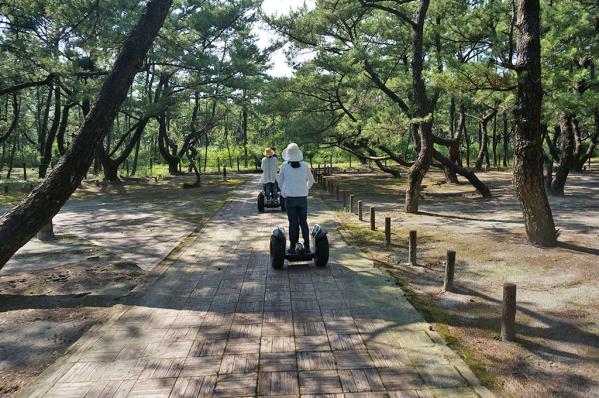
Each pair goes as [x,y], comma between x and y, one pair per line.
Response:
[43,130]
[244,127]
[64,121]
[11,158]
[166,146]
[467,144]
[135,158]
[454,148]
[495,140]
[110,165]
[3,158]
[16,110]
[528,154]
[567,155]
[47,155]
[22,222]
[422,112]
[506,140]
[420,167]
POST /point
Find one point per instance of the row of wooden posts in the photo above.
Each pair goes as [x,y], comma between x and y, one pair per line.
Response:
[508,315]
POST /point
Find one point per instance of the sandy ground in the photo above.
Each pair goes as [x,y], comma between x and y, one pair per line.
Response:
[557,351]
[110,238]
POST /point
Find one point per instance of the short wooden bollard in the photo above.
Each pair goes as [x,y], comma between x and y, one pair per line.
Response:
[225,173]
[25,171]
[372,219]
[351,203]
[412,247]
[360,211]
[387,231]
[238,164]
[449,271]
[47,232]
[508,312]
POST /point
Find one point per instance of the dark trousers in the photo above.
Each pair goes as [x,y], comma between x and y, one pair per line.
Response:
[270,189]
[297,213]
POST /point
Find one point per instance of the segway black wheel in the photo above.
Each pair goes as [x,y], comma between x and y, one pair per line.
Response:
[282,201]
[261,202]
[321,257]
[277,253]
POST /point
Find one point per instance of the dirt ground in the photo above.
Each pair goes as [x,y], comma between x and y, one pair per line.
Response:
[557,349]
[52,293]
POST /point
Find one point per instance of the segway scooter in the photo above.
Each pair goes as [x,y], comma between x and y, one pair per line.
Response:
[279,253]
[276,201]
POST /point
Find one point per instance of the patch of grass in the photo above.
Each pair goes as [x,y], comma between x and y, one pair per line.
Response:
[11,199]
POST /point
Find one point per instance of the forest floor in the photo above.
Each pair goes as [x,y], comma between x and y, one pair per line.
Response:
[557,347]
[110,239]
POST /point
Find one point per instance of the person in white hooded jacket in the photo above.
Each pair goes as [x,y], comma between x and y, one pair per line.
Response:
[295,181]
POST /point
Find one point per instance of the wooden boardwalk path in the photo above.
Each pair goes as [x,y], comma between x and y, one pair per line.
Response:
[220,322]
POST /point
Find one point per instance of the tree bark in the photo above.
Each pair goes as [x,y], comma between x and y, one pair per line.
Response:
[422,113]
[506,140]
[528,155]
[16,110]
[567,155]
[244,127]
[480,186]
[22,222]
[64,121]
[47,154]
[484,140]
[43,131]
[454,148]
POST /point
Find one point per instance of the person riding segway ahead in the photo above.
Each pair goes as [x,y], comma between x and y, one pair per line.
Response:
[295,181]
[269,196]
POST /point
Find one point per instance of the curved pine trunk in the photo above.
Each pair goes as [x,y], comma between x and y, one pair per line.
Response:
[22,222]
[528,154]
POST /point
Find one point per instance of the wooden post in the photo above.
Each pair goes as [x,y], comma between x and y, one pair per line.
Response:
[151,164]
[25,171]
[218,164]
[350,161]
[449,271]
[412,248]
[351,203]
[508,312]
[360,211]
[387,231]
[331,162]
[238,164]
[47,232]
[225,172]
[372,219]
